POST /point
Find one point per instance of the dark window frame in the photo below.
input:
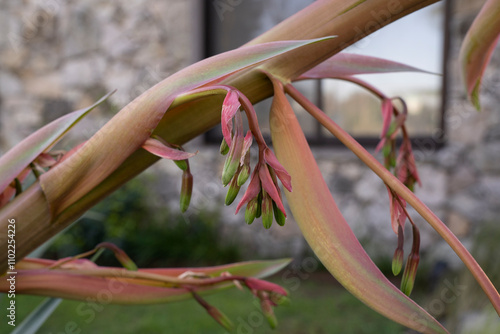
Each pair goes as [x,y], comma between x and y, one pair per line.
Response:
[436,141]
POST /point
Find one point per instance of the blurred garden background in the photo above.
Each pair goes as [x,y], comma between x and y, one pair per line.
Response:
[57,56]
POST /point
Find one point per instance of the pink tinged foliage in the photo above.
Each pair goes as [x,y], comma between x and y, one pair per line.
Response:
[269,187]
[159,149]
[347,64]
[252,191]
[280,171]
[20,156]
[230,106]
[259,285]
[478,46]
[327,232]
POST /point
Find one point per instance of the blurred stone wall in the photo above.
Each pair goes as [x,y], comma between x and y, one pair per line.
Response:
[57,56]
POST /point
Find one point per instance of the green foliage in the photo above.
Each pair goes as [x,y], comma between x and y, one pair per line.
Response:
[151,236]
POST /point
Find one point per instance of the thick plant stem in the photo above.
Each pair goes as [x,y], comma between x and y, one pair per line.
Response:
[398,187]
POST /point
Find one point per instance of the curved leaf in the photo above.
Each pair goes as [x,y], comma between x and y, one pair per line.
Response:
[157,148]
[33,277]
[326,230]
[478,47]
[346,64]
[21,155]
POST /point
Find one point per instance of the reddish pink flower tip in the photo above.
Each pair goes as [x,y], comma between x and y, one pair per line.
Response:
[230,106]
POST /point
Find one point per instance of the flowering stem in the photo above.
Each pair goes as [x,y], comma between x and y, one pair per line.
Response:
[403,191]
[247,106]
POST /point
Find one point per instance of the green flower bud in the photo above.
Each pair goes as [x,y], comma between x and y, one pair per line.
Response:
[397,261]
[278,215]
[224,148]
[408,280]
[267,211]
[186,190]
[251,211]
[267,309]
[258,213]
[182,164]
[232,192]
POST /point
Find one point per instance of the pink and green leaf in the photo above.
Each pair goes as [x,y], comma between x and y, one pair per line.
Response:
[326,230]
[157,148]
[347,64]
[478,46]
[16,159]
[77,281]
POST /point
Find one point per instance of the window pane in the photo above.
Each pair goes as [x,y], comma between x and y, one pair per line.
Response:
[416,40]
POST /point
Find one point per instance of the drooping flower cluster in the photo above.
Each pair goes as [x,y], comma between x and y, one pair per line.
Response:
[405,170]
[263,196]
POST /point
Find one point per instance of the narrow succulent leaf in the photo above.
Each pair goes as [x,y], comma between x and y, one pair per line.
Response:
[346,64]
[478,46]
[32,323]
[327,232]
[20,156]
[157,148]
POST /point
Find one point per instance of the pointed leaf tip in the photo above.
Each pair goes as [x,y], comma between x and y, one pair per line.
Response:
[161,150]
[477,48]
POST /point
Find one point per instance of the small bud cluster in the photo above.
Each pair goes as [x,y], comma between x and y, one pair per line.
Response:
[263,196]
